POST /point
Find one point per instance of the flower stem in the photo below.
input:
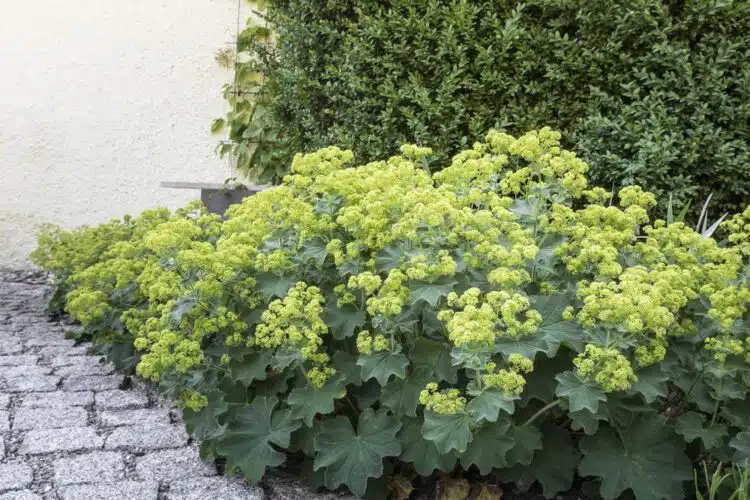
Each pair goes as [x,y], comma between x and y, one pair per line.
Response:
[546,407]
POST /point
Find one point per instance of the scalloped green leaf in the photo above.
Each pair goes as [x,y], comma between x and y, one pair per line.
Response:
[307,402]
[487,404]
[436,356]
[344,321]
[741,444]
[272,285]
[381,365]
[651,383]
[430,293]
[351,458]
[249,441]
[286,357]
[183,306]
[554,466]
[690,425]
[420,452]
[528,347]
[204,423]
[579,393]
[448,432]
[402,395]
[586,421]
[541,383]
[644,457]
[313,250]
[253,366]
[554,329]
[346,363]
[489,448]
[388,258]
[527,440]
[736,412]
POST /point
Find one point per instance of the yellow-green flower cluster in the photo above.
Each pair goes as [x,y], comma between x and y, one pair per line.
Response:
[738,228]
[367,282]
[726,345]
[414,152]
[420,267]
[296,320]
[367,343]
[391,296]
[483,318]
[192,399]
[509,380]
[605,366]
[595,235]
[370,238]
[446,402]
[537,159]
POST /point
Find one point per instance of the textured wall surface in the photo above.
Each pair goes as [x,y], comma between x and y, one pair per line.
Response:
[100,101]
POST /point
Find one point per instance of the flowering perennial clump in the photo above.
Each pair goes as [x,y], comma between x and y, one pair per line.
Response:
[368,313]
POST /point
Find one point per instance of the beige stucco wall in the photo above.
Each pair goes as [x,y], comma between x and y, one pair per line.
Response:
[100,101]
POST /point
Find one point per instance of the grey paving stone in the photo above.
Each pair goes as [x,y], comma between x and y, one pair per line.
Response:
[25,371]
[91,367]
[42,441]
[57,399]
[212,487]
[154,437]
[19,360]
[67,360]
[20,495]
[52,351]
[96,467]
[92,382]
[49,418]
[120,400]
[124,490]
[169,465]
[27,319]
[109,418]
[31,383]
[50,338]
[11,347]
[2,447]
[4,421]
[15,476]
[287,487]
[4,400]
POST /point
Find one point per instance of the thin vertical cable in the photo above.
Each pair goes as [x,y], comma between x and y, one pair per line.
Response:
[235,85]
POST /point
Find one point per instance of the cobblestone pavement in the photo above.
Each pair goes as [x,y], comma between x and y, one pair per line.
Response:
[72,429]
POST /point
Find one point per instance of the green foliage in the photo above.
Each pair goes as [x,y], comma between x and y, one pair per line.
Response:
[498,317]
[732,483]
[653,93]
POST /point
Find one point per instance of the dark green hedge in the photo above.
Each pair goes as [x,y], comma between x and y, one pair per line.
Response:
[650,92]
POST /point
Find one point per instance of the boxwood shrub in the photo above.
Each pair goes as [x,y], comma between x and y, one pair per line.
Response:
[653,92]
[499,318]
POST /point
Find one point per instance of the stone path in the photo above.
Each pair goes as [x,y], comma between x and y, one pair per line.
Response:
[72,429]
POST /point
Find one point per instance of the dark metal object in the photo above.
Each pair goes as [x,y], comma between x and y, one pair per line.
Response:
[218,197]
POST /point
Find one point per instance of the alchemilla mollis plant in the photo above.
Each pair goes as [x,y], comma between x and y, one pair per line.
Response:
[499,317]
